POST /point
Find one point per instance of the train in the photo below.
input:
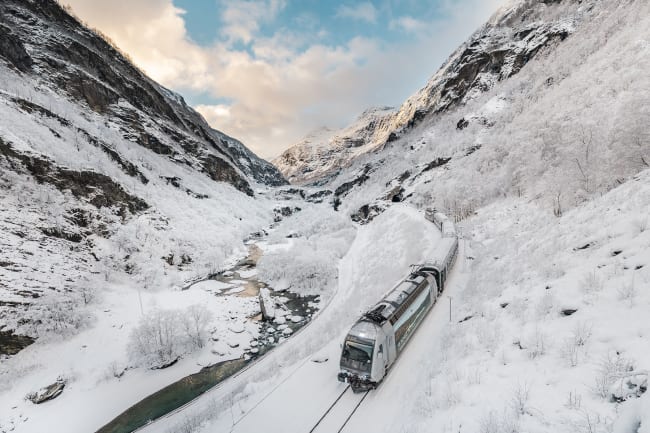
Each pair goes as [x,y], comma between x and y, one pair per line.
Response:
[377,339]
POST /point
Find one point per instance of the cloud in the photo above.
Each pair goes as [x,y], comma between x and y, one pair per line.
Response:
[363,11]
[407,24]
[284,85]
[214,113]
[241,18]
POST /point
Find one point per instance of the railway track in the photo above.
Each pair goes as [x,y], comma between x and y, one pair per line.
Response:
[338,413]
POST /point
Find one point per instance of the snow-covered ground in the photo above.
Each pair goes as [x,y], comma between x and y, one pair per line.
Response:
[515,356]
[101,379]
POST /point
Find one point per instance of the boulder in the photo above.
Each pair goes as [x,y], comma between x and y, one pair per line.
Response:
[267,305]
[47,393]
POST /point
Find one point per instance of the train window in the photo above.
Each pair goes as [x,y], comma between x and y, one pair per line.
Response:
[357,351]
[381,349]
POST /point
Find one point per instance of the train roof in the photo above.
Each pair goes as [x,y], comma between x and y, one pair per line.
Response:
[364,330]
[443,247]
[385,308]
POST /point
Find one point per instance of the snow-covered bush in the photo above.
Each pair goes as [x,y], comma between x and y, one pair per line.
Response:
[163,336]
[61,314]
[156,341]
[536,343]
[610,369]
[196,319]
[320,237]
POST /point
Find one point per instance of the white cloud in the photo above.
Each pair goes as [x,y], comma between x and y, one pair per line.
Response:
[241,18]
[286,85]
[214,113]
[407,23]
[362,11]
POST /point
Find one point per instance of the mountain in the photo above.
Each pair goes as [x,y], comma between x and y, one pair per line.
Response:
[325,151]
[546,101]
[93,155]
[496,51]
[46,44]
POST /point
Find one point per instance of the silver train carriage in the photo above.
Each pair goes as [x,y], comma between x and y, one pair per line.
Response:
[376,340]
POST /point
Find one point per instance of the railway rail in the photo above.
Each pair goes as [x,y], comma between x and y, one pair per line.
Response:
[338,414]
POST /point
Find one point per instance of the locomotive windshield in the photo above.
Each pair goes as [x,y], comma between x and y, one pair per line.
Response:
[357,354]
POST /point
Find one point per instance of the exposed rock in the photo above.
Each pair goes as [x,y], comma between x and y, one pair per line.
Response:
[395,195]
[438,162]
[284,211]
[267,305]
[221,171]
[632,385]
[47,393]
[12,49]
[75,61]
[165,365]
[323,153]
[319,196]
[582,247]
[344,188]
[568,311]
[99,189]
[367,213]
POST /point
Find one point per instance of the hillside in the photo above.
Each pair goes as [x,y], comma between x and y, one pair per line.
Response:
[91,148]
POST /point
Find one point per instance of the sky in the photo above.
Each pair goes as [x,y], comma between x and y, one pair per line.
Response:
[268,72]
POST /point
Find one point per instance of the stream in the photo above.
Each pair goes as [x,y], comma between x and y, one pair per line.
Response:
[11,343]
[190,387]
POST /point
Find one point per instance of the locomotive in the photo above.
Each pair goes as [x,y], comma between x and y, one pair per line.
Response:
[376,340]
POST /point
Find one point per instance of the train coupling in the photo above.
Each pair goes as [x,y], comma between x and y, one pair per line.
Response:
[357,383]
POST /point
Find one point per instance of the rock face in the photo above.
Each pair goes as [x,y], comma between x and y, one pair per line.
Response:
[40,39]
[495,52]
[326,151]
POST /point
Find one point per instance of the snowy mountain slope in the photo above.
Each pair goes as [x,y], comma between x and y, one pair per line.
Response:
[47,44]
[515,35]
[93,151]
[567,127]
[325,151]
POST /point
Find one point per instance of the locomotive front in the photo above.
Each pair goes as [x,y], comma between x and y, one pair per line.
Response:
[362,356]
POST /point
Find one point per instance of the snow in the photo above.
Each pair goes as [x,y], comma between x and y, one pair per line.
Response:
[211,286]
[90,359]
